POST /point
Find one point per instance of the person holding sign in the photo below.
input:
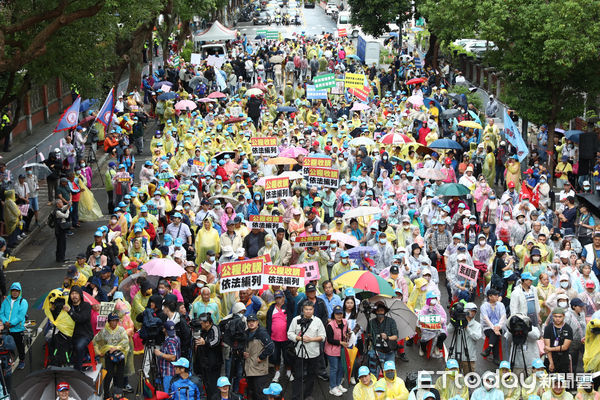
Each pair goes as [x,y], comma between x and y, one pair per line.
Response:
[432,320]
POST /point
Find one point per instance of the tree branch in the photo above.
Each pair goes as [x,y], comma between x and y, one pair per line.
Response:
[36,19]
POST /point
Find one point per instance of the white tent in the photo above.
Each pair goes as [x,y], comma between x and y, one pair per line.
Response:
[217,32]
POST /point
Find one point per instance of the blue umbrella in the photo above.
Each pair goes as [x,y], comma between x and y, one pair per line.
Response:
[394,34]
[167,96]
[354,56]
[573,135]
[259,36]
[445,144]
[428,100]
[86,104]
[356,252]
[286,109]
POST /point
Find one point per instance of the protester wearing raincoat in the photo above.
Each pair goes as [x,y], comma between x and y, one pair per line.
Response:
[452,384]
[591,355]
[395,388]
[416,300]
[206,239]
[361,390]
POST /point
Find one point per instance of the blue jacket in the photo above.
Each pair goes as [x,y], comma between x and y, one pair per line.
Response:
[186,389]
[14,312]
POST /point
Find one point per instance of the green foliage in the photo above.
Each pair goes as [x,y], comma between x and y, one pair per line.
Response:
[187,51]
[374,15]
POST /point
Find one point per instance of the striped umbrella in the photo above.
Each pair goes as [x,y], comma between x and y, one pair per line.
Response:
[365,280]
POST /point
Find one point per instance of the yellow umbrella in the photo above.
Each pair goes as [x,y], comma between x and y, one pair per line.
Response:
[470,124]
[281,161]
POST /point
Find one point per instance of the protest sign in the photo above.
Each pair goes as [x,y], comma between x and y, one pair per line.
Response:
[240,275]
[354,80]
[196,58]
[326,177]
[292,276]
[312,241]
[264,146]
[314,94]
[339,87]
[266,221]
[318,162]
[165,88]
[311,271]
[105,309]
[468,272]
[324,81]
[432,322]
[276,188]
[342,32]
[272,35]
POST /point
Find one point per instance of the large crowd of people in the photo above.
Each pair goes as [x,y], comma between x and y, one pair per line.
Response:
[442,213]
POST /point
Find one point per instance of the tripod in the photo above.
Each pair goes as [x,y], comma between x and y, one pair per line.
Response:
[370,339]
[463,349]
[302,354]
[514,353]
[148,359]
[91,158]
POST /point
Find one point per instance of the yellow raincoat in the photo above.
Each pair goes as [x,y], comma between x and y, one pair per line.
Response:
[591,356]
[448,388]
[206,239]
[417,297]
[89,210]
[395,388]
[12,214]
[63,322]
[138,305]
[109,338]
[363,392]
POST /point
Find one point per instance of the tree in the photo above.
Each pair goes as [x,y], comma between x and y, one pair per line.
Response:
[374,15]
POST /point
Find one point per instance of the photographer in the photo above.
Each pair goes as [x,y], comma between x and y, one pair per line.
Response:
[8,353]
[233,329]
[112,343]
[521,333]
[259,347]
[383,333]
[437,336]
[170,350]
[307,332]
[208,357]
[557,338]
[493,318]
[152,320]
[13,314]
[472,335]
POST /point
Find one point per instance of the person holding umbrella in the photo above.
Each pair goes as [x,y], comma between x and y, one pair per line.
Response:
[383,333]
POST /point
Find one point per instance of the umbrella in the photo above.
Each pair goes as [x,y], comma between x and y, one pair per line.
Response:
[345,238]
[160,84]
[217,95]
[207,100]
[254,91]
[359,106]
[356,252]
[185,105]
[428,100]
[470,124]
[451,113]
[362,141]
[163,267]
[406,320]
[167,96]
[234,120]
[354,56]
[293,152]
[281,161]
[291,175]
[445,144]
[40,170]
[195,81]
[260,86]
[286,109]
[126,283]
[415,100]
[276,59]
[452,189]
[89,299]
[395,138]
[86,104]
[362,211]
[455,96]
[222,154]
[259,36]
[226,199]
[365,280]
[430,173]
[41,384]
[419,115]
[573,135]
[414,81]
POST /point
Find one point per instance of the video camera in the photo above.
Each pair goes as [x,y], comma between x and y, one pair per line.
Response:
[458,315]
[519,325]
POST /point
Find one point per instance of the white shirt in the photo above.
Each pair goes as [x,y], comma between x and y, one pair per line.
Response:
[315,329]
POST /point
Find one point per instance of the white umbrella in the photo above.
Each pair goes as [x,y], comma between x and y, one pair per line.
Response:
[359,106]
[292,175]
[362,141]
[345,238]
[40,170]
[362,211]
[430,173]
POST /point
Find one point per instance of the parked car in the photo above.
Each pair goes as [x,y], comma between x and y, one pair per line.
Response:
[263,19]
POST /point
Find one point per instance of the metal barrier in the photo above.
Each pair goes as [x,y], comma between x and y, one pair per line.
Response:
[36,154]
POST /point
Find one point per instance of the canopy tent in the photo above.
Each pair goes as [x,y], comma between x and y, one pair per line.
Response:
[217,32]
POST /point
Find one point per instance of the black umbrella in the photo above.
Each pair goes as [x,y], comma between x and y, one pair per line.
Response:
[41,384]
[451,113]
[286,109]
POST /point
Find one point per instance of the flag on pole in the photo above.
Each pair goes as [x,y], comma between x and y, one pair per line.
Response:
[70,117]
[514,137]
[106,112]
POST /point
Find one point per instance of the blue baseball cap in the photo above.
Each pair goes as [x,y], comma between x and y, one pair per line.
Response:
[451,364]
[181,362]
[526,275]
[223,381]
[504,365]
[122,204]
[537,363]
[502,249]
[349,292]
[274,389]
[144,208]
[431,295]
[344,254]
[364,370]
[389,365]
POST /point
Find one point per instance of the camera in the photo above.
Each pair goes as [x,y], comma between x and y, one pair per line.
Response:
[196,328]
[458,315]
[519,325]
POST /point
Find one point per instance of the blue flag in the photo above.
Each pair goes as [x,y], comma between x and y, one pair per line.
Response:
[514,137]
[70,117]
[106,112]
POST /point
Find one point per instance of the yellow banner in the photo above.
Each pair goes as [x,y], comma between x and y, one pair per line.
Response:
[354,80]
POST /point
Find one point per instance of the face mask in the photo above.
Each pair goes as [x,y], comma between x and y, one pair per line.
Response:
[211,258]
[535,258]
[539,374]
[382,241]
[525,202]
[333,245]
[482,242]
[472,222]
[199,285]
[217,207]
[82,165]
[562,304]
[550,273]
[161,291]
[390,375]
[433,302]
[31,173]
[344,261]
[506,218]
[346,208]
[564,285]
[187,207]
[113,221]
[385,158]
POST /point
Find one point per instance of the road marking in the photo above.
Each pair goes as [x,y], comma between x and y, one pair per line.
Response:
[34,269]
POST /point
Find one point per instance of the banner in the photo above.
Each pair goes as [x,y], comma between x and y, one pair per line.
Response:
[70,117]
[314,94]
[196,58]
[105,309]
[264,146]
[292,276]
[362,94]
[514,137]
[468,272]
[276,188]
[272,35]
[312,241]
[311,271]
[324,81]
[319,162]
[266,221]
[432,322]
[342,32]
[326,177]
[106,112]
[354,80]
[241,275]
[339,87]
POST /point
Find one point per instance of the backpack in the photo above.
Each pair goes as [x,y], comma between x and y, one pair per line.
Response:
[52,220]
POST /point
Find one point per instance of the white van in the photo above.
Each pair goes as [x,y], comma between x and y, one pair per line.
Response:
[343,21]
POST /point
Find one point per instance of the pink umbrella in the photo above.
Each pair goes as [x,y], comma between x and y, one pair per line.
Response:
[415,100]
[359,106]
[293,152]
[260,182]
[219,95]
[345,238]
[185,105]
[207,100]
[163,267]
[395,138]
